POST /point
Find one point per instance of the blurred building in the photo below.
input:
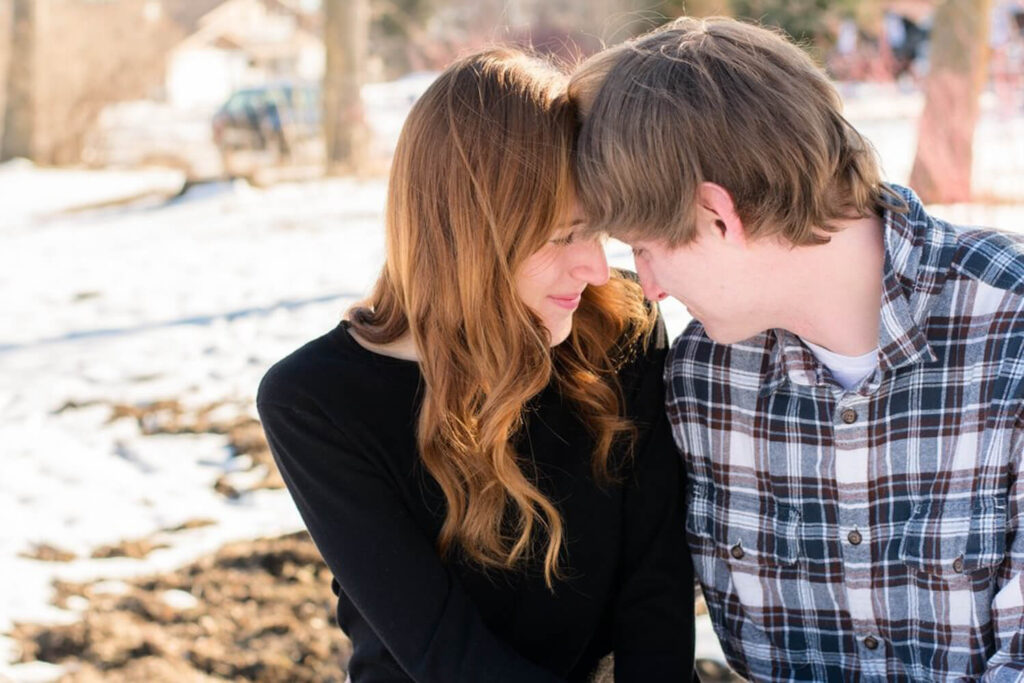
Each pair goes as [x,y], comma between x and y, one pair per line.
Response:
[241,43]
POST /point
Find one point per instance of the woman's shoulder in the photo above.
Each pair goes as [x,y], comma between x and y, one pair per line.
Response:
[331,373]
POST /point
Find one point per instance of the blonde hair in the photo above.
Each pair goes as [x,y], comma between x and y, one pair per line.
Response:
[481,176]
[726,102]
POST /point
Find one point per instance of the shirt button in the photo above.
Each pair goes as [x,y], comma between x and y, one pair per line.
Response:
[958,565]
[854,537]
[871,643]
[737,551]
[849,416]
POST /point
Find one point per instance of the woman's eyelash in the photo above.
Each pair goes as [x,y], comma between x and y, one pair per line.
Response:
[564,241]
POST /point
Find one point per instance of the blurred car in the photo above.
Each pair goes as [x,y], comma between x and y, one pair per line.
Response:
[272,125]
[269,125]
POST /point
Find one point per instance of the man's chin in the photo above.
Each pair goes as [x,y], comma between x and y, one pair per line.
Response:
[720,336]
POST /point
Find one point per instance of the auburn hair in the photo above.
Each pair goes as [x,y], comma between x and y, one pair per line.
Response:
[481,177]
[726,102]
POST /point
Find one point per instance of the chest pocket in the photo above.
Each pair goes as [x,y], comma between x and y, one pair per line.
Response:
[745,529]
[955,539]
[747,551]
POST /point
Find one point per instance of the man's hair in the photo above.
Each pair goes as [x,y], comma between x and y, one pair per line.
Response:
[726,102]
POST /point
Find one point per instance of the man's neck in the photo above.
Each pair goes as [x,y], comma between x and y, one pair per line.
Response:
[837,288]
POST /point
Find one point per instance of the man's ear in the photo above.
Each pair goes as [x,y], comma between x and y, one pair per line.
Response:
[717,213]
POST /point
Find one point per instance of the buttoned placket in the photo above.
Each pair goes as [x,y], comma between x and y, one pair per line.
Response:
[852,471]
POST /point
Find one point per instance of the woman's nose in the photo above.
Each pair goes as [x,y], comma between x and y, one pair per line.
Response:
[591,264]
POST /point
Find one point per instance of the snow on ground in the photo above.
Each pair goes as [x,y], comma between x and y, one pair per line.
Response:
[28,194]
[193,299]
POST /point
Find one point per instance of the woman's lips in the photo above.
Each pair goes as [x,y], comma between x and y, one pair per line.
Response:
[567,302]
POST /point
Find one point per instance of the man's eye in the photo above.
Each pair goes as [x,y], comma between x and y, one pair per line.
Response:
[638,252]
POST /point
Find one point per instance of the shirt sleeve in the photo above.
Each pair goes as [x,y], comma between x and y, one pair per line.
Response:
[654,607]
[381,559]
[1007,663]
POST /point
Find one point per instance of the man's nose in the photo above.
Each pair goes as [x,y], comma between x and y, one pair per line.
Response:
[651,289]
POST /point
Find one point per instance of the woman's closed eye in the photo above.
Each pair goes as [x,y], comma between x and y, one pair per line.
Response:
[564,240]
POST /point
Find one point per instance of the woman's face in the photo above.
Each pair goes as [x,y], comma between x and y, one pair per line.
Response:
[551,280]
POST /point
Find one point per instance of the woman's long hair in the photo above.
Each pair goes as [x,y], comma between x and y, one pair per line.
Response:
[480,179]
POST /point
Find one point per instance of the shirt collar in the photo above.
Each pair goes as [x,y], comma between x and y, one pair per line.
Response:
[918,252]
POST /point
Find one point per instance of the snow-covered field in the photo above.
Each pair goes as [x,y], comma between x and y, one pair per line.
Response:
[193,299]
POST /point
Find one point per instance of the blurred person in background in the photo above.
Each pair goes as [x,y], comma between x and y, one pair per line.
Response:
[849,399]
[480,450]
[906,43]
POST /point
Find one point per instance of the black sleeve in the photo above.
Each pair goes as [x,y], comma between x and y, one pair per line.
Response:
[386,566]
[654,615]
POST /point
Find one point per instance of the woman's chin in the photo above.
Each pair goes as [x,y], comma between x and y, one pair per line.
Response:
[559,331]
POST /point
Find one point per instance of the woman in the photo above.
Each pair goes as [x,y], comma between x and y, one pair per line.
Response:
[479,451]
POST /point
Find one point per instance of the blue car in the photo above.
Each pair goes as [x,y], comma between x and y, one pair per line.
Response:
[273,120]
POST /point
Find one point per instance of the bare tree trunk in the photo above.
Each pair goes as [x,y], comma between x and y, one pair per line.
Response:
[346,28]
[19,131]
[959,44]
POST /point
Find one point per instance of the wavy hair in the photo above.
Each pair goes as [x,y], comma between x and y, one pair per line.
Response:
[481,176]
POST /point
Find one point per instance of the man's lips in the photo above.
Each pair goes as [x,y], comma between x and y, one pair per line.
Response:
[569,302]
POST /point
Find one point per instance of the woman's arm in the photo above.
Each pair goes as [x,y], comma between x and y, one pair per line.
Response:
[654,617]
[384,563]
[654,605]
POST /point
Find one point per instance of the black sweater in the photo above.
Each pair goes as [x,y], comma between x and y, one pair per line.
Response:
[340,421]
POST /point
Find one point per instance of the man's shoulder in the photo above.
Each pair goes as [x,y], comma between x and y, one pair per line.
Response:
[989,257]
[993,258]
[984,290]
[694,354]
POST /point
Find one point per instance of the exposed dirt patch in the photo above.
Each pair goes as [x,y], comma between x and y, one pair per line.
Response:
[45,552]
[244,434]
[255,469]
[259,611]
[136,549]
[188,524]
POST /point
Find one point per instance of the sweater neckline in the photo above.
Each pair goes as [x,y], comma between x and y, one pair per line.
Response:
[343,336]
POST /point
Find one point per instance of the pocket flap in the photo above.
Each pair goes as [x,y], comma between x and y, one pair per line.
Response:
[954,537]
[745,528]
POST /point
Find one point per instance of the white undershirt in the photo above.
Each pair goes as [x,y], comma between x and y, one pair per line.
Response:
[847,370]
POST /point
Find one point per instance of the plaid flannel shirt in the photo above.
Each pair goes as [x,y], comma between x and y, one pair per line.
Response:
[872,534]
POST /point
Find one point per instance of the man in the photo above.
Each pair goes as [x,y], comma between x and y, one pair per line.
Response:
[849,399]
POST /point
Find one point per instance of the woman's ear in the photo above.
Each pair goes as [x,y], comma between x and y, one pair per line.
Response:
[718,214]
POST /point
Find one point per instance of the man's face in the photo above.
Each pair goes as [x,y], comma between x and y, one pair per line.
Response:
[714,280]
